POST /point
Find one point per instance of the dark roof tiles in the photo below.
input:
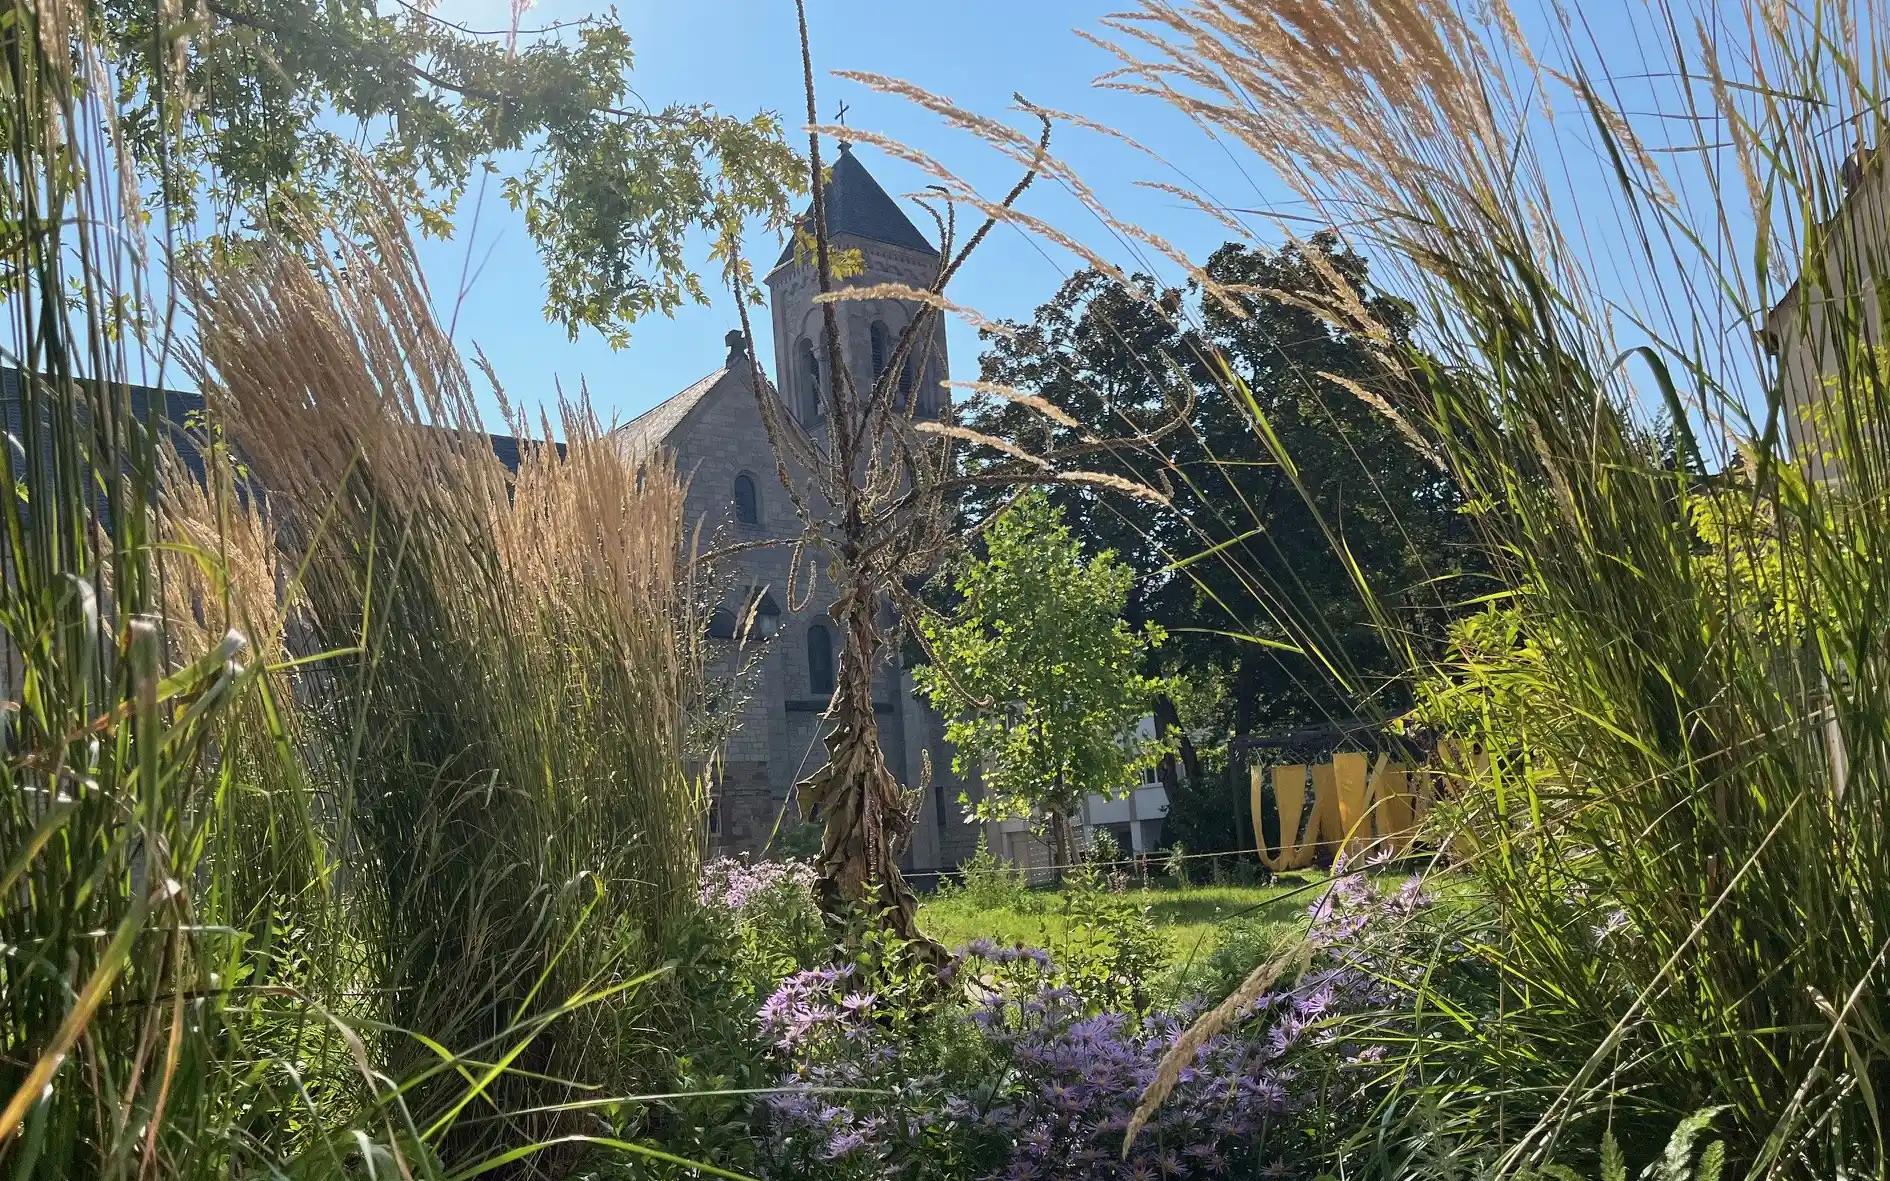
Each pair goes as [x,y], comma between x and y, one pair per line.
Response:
[183,410]
[652,428]
[857,205]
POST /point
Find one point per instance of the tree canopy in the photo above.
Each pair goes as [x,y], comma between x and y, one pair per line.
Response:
[253,115]
[1038,674]
[1248,574]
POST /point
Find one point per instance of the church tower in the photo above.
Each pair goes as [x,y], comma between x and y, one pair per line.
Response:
[862,217]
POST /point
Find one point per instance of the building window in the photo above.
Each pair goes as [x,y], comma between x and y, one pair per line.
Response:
[911,377]
[747,500]
[820,660]
[882,347]
[810,382]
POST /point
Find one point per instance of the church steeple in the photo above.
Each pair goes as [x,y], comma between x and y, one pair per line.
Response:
[862,217]
[856,205]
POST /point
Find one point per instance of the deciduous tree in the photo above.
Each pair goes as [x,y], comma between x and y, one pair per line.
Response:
[261,115]
[1249,570]
[1038,674]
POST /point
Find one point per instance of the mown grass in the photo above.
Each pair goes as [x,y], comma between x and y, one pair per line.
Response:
[1192,921]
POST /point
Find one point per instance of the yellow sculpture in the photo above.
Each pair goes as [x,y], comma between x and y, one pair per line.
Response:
[1359,807]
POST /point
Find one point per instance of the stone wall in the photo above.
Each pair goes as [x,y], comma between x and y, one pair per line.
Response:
[745,808]
[775,740]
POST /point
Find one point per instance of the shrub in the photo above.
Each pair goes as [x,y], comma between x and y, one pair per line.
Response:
[507,741]
[1109,947]
[990,884]
[1018,1074]
[755,923]
[1241,946]
[1175,865]
[1037,1084]
[345,866]
[867,1089]
[1684,696]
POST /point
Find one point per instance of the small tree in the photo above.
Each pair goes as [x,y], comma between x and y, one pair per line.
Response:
[1039,674]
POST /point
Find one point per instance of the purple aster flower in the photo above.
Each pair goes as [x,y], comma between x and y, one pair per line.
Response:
[843,1143]
[831,1115]
[1062,1098]
[1411,895]
[1316,1003]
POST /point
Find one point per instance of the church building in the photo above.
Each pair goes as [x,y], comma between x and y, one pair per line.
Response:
[775,621]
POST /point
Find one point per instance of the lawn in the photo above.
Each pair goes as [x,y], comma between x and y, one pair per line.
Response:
[1193,919]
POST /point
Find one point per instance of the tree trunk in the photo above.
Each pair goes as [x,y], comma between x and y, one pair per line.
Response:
[1062,842]
[1168,721]
[866,818]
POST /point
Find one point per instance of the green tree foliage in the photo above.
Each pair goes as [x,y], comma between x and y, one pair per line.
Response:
[1040,676]
[1267,607]
[254,115]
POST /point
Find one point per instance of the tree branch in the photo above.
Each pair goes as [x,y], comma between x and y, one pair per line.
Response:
[223,11]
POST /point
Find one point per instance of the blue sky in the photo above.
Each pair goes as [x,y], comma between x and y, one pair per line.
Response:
[741,56]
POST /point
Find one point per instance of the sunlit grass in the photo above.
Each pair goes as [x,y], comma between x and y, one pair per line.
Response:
[1192,921]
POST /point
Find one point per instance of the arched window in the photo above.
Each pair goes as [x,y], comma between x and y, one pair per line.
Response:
[882,347]
[747,500]
[810,382]
[909,377]
[820,660]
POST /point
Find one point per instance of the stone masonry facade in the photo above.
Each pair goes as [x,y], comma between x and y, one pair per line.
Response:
[774,623]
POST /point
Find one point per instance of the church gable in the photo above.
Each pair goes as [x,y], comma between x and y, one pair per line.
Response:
[714,431]
[659,425]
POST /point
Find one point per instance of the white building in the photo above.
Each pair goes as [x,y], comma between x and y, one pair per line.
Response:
[1855,257]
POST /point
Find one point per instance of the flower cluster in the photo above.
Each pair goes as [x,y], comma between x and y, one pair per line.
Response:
[1052,1088]
[1076,1079]
[1352,903]
[813,1005]
[736,884]
[850,1103]
[1023,1080]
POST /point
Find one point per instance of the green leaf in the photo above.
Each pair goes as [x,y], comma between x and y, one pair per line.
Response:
[1613,1167]
[1712,1162]
[1677,1161]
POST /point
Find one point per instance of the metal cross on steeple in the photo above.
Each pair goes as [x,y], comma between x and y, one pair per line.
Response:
[841,115]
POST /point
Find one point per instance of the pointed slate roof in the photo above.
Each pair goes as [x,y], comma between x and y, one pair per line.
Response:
[857,205]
